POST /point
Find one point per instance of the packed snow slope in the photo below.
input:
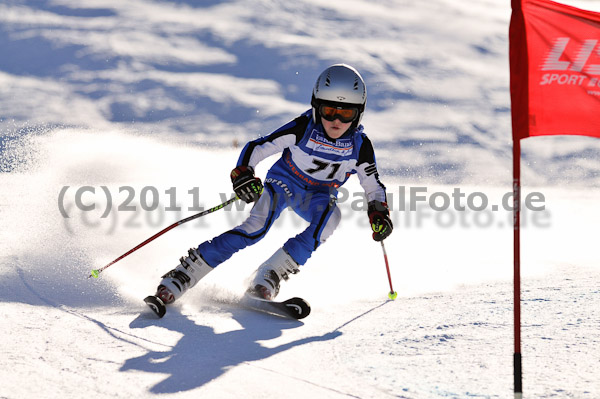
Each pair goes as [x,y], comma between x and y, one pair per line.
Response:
[217,72]
[119,118]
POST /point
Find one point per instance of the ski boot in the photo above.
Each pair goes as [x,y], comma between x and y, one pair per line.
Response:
[268,276]
[175,283]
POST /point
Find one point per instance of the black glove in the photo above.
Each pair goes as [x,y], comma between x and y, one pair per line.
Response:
[247,187]
[379,217]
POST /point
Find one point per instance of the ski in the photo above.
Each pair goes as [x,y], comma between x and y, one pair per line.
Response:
[156,304]
[294,308]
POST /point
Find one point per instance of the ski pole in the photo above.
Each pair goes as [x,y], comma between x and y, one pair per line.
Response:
[392,294]
[96,272]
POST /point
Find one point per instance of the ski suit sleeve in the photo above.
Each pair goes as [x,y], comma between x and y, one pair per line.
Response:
[366,169]
[263,147]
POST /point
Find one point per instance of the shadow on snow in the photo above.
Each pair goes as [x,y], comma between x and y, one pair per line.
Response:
[201,355]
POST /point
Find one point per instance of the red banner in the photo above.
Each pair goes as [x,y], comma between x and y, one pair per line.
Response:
[554,69]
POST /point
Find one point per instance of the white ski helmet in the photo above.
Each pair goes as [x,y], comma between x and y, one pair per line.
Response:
[340,85]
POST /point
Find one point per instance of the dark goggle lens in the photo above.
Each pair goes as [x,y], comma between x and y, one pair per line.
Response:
[345,115]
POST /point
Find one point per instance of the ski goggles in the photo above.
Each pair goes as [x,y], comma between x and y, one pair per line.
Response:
[330,113]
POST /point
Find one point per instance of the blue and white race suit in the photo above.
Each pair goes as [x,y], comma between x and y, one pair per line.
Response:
[305,178]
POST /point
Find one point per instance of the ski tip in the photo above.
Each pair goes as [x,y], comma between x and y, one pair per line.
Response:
[298,307]
[156,305]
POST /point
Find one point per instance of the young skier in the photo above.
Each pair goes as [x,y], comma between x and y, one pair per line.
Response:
[320,149]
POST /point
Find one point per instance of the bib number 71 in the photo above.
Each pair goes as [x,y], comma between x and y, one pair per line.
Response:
[322,165]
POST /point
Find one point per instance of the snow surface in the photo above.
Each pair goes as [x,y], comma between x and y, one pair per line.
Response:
[142,95]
